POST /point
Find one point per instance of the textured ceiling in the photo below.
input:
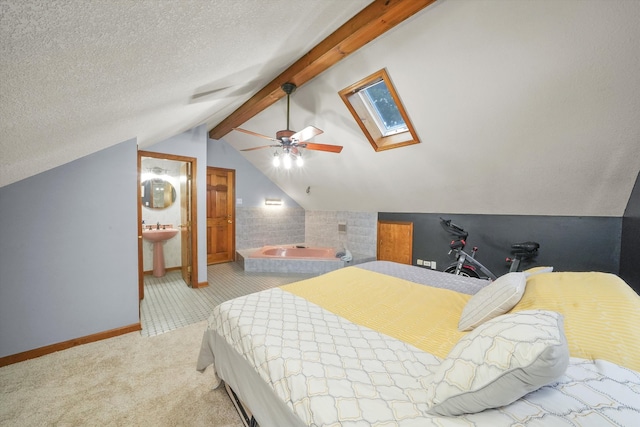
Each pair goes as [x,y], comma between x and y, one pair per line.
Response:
[77,76]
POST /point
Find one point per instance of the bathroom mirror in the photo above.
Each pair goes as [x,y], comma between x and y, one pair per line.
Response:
[157,194]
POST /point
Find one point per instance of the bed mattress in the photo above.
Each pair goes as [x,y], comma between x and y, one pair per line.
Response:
[296,362]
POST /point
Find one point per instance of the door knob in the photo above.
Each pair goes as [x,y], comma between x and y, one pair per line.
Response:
[229,221]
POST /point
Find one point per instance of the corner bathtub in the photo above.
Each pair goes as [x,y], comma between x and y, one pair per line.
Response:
[292,259]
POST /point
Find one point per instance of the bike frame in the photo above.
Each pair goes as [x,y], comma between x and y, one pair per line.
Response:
[463,259]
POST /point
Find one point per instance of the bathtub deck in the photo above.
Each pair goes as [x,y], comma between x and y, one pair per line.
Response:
[313,266]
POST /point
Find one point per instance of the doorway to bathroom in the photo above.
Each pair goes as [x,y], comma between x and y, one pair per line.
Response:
[166,217]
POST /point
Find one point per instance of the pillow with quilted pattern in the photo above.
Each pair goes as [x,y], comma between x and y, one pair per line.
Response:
[495,299]
[499,362]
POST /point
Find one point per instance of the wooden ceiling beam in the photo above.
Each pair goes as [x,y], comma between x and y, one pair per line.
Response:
[371,22]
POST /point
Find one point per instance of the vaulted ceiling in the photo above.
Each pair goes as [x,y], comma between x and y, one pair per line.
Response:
[78,76]
[521,107]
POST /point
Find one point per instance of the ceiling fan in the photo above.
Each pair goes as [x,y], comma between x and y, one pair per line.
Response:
[291,141]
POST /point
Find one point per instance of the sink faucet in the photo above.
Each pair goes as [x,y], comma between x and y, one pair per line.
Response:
[158,225]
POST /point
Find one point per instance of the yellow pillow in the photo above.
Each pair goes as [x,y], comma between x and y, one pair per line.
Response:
[601,313]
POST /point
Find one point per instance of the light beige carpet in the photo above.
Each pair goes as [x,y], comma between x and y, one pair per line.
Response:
[128,380]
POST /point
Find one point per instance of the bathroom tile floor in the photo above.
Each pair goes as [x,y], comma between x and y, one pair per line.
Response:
[170,304]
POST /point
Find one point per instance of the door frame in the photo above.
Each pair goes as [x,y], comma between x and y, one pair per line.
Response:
[193,220]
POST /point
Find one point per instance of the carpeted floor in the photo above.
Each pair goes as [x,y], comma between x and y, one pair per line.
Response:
[128,380]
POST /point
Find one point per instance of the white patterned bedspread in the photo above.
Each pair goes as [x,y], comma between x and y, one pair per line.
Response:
[331,372]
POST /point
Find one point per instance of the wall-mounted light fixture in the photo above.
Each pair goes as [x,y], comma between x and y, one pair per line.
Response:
[273,202]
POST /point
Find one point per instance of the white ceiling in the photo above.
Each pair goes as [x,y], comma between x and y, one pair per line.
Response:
[522,107]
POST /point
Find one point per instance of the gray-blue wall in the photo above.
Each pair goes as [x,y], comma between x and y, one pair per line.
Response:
[252,186]
[69,251]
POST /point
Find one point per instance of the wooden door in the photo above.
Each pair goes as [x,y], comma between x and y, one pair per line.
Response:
[220,215]
[395,241]
[186,187]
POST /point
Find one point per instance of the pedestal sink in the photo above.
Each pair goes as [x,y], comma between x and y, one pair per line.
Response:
[158,237]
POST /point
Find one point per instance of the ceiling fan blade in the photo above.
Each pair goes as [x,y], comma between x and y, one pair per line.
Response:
[306,133]
[321,147]
[258,148]
[256,134]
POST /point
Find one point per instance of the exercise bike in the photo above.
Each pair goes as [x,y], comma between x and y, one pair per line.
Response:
[467,265]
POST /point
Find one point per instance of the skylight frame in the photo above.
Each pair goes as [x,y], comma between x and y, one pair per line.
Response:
[366,115]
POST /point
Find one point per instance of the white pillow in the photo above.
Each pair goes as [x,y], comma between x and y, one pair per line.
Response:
[499,362]
[495,299]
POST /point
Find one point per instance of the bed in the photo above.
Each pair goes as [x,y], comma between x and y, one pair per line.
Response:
[386,344]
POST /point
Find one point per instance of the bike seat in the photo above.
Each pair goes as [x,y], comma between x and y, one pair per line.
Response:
[457,244]
[525,248]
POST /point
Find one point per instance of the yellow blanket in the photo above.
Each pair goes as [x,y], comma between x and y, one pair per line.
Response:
[601,313]
[423,316]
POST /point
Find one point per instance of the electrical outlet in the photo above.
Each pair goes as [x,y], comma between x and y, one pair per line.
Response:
[420,262]
[426,263]
[433,265]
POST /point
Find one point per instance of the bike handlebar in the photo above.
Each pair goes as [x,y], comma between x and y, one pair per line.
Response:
[453,229]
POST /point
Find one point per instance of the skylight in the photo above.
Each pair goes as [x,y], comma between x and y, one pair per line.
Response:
[375,105]
[382,108]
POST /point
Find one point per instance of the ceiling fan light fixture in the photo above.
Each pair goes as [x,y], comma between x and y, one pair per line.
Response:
[287,161]
[290,141]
